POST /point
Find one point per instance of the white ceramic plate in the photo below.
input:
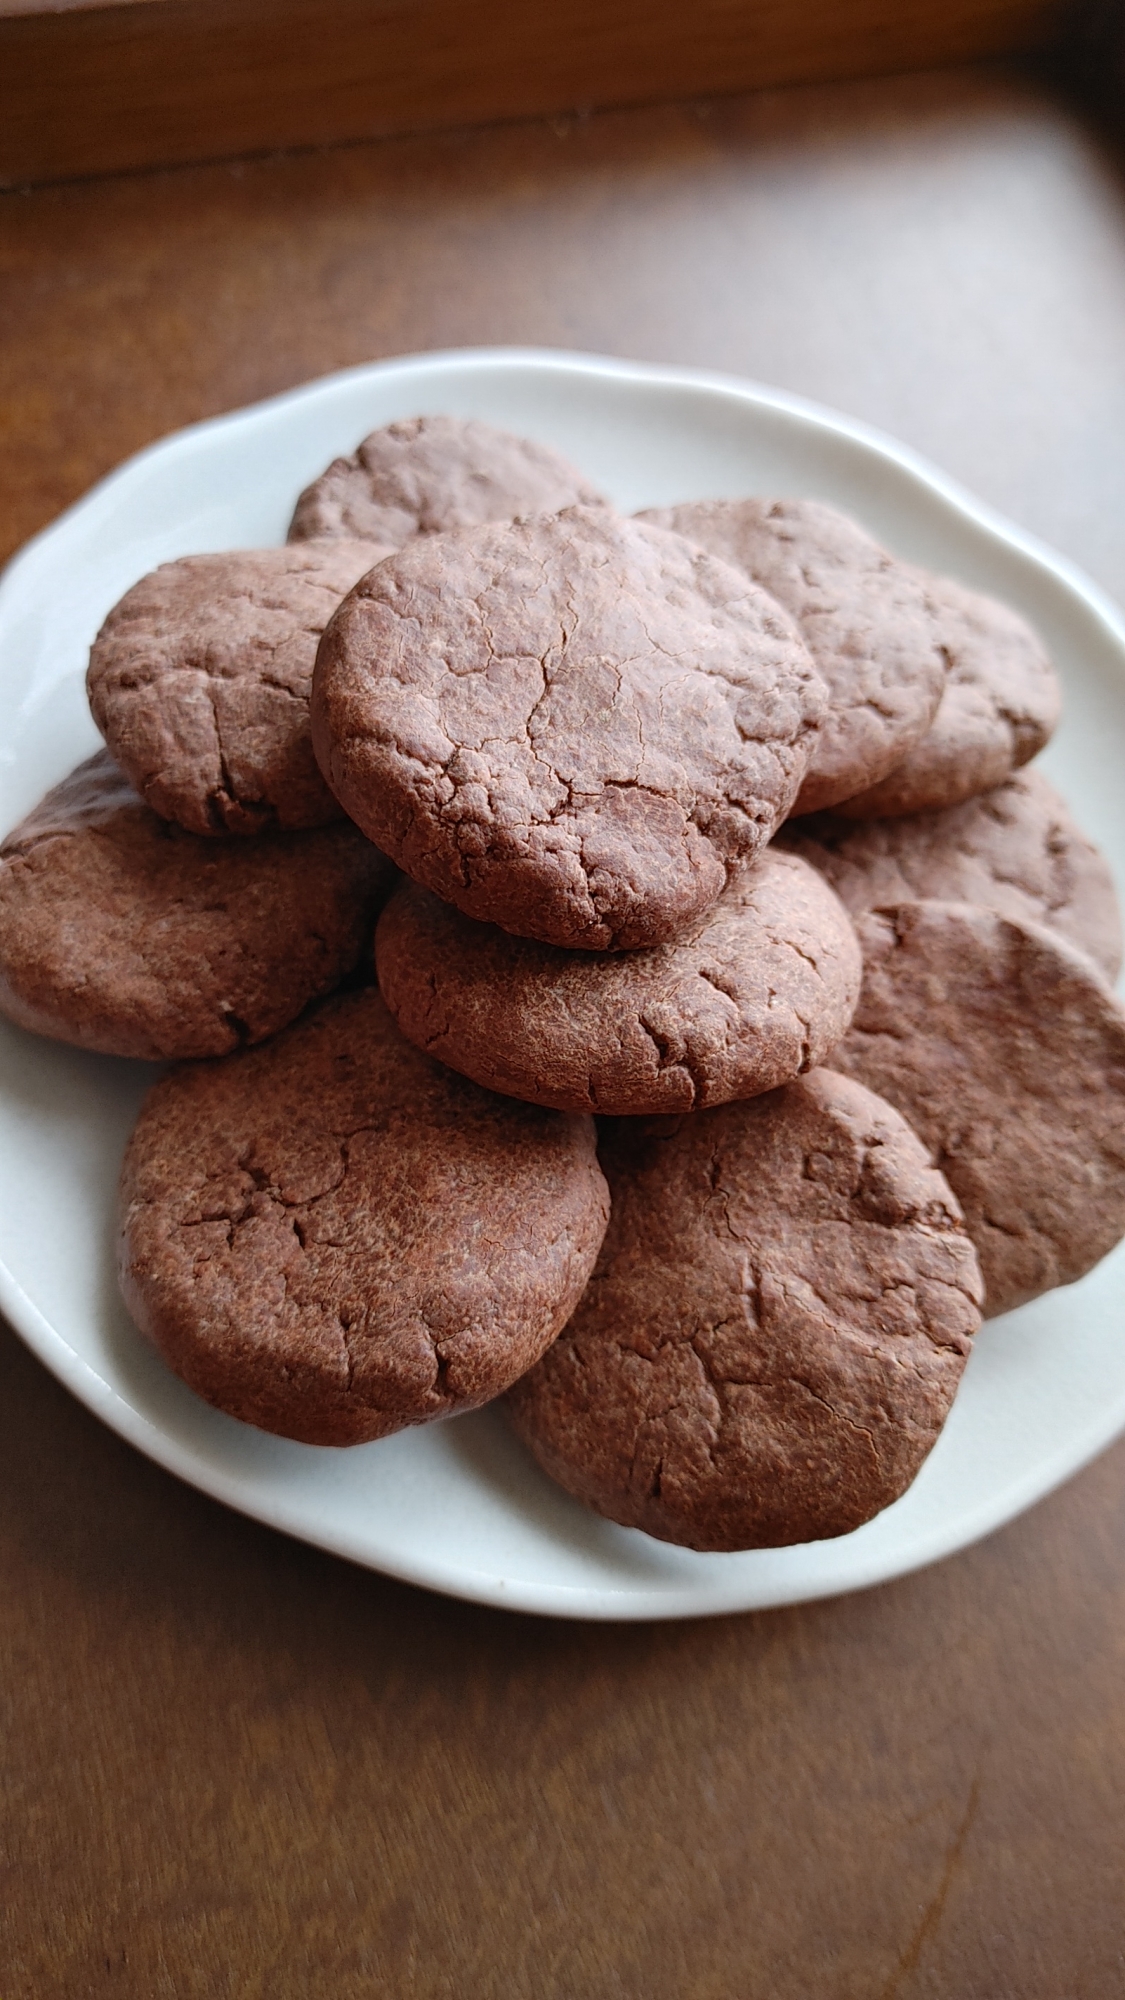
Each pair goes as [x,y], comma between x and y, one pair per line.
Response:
[459,1506]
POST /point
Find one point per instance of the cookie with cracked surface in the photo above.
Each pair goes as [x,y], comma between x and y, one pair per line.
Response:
[1006,1051]
[122,933]
[574,727]
[775,1328]
[1001,704]
[752,994]
[199,681]
[1015,850]
[424,475]
[865,617]
[333,1237]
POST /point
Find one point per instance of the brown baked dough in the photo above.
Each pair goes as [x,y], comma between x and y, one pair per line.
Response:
[1015,850]
[426,474]
[333,1237]
[1006,1051]
[1001,704]
[573,727]
[122,933]
[865,617]
[755,992]
[199,681]
[775,1328]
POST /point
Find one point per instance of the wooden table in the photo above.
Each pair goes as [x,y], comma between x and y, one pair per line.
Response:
[236,1767]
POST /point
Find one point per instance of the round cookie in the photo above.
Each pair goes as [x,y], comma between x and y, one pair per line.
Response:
[574,727]
[775,1328]
[1015,850]
[756,991]
[865,617]
[332,1237]
[427,474]
[122,933]
[1001,704]
[199,681]
[1006,1051]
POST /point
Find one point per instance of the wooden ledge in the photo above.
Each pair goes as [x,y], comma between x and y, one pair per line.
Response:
[96,86]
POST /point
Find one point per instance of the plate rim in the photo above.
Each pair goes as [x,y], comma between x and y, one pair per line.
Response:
[707,1597]
[563,361]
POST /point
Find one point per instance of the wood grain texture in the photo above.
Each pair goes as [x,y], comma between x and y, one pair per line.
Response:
[943,256]
[93,89]
[237,1769]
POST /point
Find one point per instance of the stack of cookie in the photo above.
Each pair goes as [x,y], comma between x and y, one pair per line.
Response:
[853,1082]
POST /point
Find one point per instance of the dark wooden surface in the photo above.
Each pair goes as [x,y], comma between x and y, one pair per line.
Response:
[235,1767]
[89,88]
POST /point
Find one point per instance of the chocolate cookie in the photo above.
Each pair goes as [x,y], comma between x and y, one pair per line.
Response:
[1001,704]
[865,618]
[199,682]
[123,933]
[573,727]
[1015,850]
[753,993]
[1006,1051]
[333,1237]
[427,474]
[775,1328]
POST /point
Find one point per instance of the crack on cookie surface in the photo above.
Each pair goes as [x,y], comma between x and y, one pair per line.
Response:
[571,771]
[278,1238]
[776,1276]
